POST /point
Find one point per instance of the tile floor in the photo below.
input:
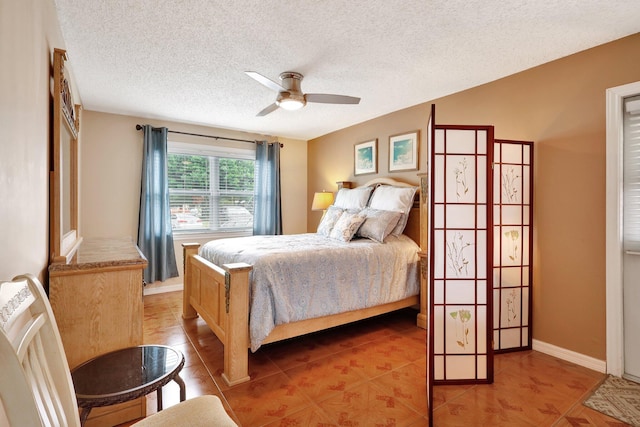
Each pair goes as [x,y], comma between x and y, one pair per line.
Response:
[371,373]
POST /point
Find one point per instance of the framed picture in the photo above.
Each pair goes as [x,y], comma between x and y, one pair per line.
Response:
[365,157]
[403,151]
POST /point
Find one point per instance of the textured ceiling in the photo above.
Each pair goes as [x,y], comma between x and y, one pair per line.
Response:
[184,60]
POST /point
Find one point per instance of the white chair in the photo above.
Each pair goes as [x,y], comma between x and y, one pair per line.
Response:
[36,387]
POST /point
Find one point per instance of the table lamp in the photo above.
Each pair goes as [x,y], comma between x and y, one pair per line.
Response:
[321,201]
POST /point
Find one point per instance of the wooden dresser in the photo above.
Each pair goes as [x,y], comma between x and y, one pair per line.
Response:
[97,302]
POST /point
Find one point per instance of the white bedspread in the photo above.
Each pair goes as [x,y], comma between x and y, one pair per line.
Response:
[303,276]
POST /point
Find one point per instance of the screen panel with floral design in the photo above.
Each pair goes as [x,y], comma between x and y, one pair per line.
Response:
[461,242]
[512,237]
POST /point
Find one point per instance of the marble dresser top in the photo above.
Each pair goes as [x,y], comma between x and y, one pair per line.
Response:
[98,252]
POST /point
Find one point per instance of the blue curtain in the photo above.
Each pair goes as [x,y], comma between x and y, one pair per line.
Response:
[267,217]
[155,238]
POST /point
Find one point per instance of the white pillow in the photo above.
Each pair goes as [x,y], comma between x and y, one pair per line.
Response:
[378,224]
[353,198]
[347,225]
[396,199]
[329,220]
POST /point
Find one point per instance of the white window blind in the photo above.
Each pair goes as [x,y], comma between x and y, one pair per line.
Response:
[631,179]
[210,188]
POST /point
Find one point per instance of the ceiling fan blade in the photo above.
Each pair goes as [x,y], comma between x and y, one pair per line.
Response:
[265,81]
[326,98]
[269,109]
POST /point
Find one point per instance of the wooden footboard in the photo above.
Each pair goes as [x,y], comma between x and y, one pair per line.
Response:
[220,295]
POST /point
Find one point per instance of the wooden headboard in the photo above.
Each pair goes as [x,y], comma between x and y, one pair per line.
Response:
[413,224]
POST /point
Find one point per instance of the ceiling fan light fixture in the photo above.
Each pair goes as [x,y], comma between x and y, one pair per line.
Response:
[290,96]
[290,102]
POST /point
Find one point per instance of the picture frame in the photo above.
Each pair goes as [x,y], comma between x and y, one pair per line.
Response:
[403,151]
[365,157]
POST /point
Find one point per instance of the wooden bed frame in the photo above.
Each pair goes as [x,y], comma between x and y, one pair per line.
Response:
[220,295]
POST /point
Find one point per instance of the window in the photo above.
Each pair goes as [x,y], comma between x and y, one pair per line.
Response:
[632,174]
[210,188]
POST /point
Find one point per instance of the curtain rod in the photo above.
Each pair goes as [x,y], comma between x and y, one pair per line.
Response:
[139,127]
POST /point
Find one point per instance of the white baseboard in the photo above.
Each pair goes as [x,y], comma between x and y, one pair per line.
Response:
[162,289]
[570,356]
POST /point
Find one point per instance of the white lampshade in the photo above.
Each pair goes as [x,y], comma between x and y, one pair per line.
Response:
[321,201]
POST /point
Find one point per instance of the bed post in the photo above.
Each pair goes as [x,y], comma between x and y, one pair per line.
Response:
[236,353]
[188,250]
[423,319]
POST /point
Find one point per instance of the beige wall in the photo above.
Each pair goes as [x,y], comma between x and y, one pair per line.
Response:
[29,31]
[110,168]
[331,156]
[561,107]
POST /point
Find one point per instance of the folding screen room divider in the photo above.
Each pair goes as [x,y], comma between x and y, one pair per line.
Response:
[480,246]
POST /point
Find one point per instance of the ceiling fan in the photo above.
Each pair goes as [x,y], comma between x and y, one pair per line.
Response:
[290,96]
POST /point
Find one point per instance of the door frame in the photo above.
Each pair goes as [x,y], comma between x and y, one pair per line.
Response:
[614,253]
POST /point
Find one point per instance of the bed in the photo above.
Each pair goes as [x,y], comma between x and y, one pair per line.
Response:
[362,261]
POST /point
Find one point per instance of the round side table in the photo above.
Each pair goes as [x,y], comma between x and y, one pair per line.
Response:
[126,374]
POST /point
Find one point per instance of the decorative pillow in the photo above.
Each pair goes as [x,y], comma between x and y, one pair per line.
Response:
[378,224]
[396,199]
[329,220]
[347,225]
[353,198]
